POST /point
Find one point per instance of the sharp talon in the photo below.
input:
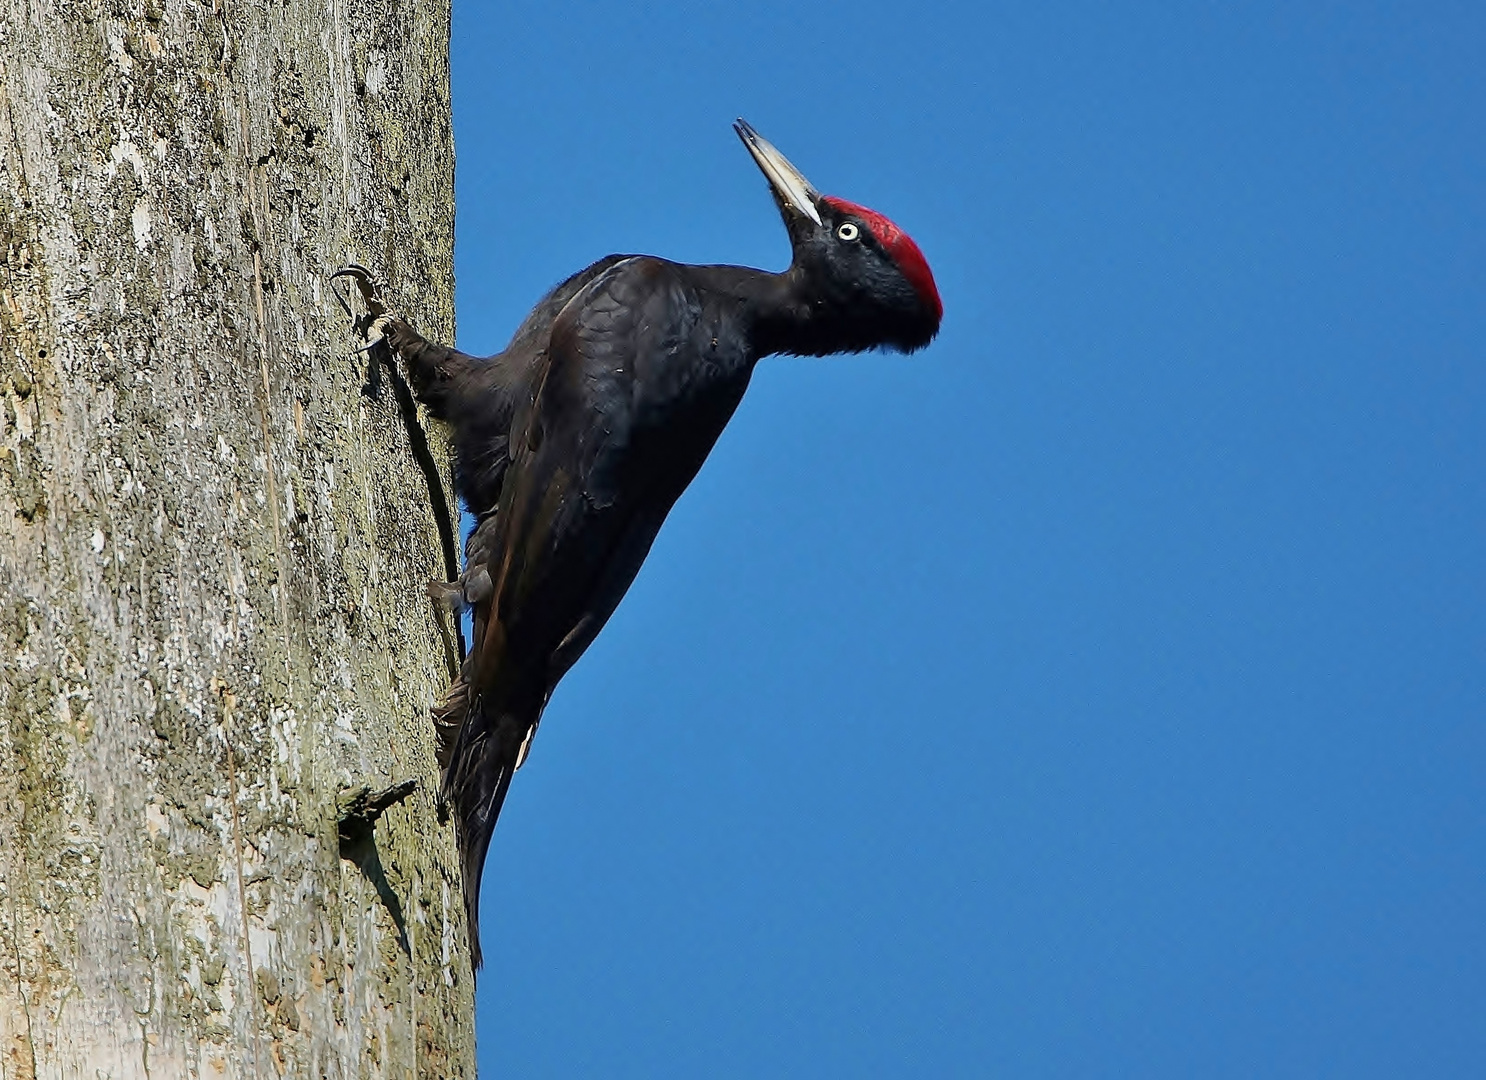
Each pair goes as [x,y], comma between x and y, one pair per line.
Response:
[376,332]
[374,323]
[365,284]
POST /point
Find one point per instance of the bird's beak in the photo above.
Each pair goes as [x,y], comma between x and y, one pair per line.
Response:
[790,188]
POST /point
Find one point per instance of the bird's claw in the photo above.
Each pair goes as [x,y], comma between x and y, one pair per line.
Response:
[366,284]
[373,325]
[375,332]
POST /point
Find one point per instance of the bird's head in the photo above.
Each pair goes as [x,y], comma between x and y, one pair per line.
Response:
[868,276]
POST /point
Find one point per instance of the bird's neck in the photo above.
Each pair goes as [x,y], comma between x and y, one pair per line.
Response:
[780,313]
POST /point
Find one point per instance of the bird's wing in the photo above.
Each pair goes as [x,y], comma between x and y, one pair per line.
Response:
[486,401]
[558,524]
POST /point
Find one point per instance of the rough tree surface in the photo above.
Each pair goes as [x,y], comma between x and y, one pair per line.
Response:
[215,537]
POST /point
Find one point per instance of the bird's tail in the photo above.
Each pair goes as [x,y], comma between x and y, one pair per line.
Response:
[483,754]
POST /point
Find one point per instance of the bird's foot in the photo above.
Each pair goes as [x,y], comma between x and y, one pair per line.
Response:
[373,325]
[448,593]
[472,586]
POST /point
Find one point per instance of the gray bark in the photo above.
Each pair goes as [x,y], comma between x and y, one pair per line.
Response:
[215,539]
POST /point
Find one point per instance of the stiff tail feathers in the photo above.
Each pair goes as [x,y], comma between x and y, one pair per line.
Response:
[480,749]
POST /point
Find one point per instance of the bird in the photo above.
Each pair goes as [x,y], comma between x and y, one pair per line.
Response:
[572,444]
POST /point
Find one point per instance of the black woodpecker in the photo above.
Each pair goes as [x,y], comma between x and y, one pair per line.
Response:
[574,442]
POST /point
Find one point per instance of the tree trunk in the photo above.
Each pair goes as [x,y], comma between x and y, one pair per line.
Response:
[215,536]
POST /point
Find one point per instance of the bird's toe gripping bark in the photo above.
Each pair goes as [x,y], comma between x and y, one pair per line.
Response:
[373,325]
[473,586]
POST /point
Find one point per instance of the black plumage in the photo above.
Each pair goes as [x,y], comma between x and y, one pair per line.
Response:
[574,442]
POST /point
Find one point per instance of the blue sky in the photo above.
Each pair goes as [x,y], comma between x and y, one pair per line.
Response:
[1097,693]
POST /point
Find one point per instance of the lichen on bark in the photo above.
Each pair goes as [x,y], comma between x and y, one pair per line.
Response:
[214,541]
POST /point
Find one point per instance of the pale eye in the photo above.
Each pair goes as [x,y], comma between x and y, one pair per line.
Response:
[847,231]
